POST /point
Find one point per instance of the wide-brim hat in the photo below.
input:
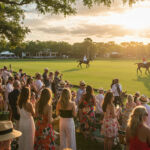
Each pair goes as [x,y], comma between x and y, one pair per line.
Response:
[143,99]
[62,82]
[82,83]
[7,132]
[101,89]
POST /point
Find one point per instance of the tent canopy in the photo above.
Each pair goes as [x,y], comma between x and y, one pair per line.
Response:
[6,53]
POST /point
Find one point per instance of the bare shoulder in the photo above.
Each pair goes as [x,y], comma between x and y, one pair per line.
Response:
[49,106]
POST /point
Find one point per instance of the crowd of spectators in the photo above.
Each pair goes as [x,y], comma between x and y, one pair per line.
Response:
[31,106]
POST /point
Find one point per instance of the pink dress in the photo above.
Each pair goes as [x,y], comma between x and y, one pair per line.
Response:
[110,125]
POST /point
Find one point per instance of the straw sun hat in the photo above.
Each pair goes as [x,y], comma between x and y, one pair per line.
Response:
[143,99]
[7,132]
[82,82]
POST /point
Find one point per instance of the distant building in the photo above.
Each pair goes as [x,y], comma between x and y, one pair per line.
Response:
[115,55]
[40,54]
[7,54]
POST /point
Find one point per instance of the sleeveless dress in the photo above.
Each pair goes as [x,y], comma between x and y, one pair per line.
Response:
[27,127]
[44,135]
[67,130]
[88,115]
[136,144]
[110,126]
[126,114]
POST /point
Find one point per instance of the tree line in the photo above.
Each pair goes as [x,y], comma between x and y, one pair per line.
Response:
[77,50]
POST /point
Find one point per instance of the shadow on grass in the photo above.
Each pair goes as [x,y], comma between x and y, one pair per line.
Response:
[73,69]
[144,80]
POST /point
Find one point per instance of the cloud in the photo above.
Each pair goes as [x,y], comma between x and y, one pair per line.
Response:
[145,33]
[54,30]
[108,31]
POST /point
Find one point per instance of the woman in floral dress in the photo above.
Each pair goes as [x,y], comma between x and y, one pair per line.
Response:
[44,135]
[87,104]
[110,124]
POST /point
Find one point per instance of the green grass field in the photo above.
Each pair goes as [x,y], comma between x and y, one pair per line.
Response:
[100,73]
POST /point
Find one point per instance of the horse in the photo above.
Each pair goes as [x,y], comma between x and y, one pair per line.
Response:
[84,62]
[142,65]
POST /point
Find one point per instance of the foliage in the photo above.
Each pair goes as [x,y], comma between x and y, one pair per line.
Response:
[77,50]
[12,14]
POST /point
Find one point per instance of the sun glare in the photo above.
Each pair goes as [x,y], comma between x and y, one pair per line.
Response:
[136,19]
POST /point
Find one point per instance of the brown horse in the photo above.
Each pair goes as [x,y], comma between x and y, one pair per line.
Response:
[142,65]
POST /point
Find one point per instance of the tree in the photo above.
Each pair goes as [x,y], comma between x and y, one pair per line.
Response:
[12,14]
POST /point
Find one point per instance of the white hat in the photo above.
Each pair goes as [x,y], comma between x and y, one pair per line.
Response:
[101,89]
[7,132]
[62,82]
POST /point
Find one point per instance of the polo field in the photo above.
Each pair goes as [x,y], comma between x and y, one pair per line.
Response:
[99,74]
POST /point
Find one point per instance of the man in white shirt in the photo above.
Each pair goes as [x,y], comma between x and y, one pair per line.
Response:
[5,75]
[117,90]
[99,101]
[38,83]
[144,101]
[9,89]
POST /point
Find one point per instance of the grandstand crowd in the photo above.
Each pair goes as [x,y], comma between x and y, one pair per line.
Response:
[31,108]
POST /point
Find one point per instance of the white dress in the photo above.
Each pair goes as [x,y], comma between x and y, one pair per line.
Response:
[27,127]
[67,133]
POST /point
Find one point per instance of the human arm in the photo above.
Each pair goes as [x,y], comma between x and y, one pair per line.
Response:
[50,119]
[30,108]
[57,108]
[94,100]
[113,111]
[74,110]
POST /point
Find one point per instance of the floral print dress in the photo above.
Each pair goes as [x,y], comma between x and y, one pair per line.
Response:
[88,115]
[110,125]
[44,135]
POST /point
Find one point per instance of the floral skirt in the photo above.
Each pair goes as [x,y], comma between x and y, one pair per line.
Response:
[44,137]
[110,127]
[88,121]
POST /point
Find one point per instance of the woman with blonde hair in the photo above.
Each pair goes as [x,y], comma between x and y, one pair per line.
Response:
[66,109]
[138,133]
[26,122]
[44,135]
[129,107]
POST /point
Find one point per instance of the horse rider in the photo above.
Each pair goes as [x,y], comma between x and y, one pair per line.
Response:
[84,58]
[144,61]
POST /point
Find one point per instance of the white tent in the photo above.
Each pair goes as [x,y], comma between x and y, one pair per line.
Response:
[6,53]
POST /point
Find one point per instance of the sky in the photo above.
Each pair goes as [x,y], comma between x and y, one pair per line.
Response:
[119,23]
